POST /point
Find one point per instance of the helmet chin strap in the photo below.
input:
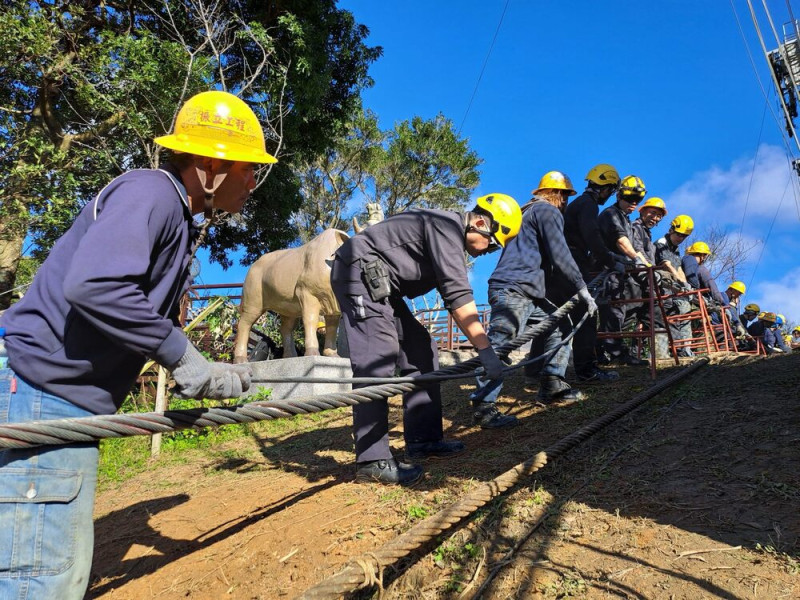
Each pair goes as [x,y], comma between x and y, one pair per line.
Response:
[210,186]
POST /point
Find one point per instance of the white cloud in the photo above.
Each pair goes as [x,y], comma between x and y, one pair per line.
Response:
[721,195]
[781,296]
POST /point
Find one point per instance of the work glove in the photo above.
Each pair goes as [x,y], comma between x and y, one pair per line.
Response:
[640,262]
[195,377]
[491,364]
[586,298]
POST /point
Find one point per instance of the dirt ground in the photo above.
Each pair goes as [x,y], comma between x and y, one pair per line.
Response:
[694,495]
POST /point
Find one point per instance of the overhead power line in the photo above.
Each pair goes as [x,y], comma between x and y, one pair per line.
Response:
[758,77]
[787,145]
[483,68]
[769,232]
[753,170]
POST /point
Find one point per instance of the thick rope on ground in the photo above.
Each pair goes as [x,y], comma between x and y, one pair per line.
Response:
[88,429]
[353,577]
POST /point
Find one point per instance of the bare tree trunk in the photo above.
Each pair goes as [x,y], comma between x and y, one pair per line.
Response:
[11,241]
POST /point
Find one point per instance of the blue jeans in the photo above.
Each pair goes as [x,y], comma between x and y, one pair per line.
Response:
[46,502]
[511,312]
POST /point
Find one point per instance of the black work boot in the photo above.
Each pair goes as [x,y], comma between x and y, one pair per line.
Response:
[440,449]
[626,358]
[388,470]
[597,374]
[488,417]
[554,389]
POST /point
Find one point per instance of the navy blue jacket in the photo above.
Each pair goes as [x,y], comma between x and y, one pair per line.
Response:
[666,252]
[582,233]
[690,266]
[614,224]
[773,338]
[756,328]
[537,254]
[422,250]
[106,298]
[642,240]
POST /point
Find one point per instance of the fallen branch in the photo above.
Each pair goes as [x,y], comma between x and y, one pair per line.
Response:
[691,552]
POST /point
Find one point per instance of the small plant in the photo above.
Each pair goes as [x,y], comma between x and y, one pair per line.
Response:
[790,564]
[416,512]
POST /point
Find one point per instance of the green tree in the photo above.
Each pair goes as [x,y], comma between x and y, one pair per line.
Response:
[87,84]
[425,165]
[419,164]
[330,180]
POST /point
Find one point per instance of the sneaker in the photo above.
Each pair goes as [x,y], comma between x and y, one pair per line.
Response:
[598,375]
[488,417]
[555,389]
[440,449]
[388,470]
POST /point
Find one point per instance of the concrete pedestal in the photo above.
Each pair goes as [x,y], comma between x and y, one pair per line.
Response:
[301,366]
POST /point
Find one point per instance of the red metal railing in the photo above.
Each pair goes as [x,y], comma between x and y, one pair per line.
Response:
[438,321]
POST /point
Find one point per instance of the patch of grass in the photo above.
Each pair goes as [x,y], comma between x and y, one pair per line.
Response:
[789,563]
[416,512]
[569,586]
[123,458]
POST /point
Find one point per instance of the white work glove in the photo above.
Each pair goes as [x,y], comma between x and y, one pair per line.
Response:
[586,298]
[491,363]
[195,377]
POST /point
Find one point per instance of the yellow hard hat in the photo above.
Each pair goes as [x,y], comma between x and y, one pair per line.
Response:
[698,248]
[683,224]
[797,329]
[654,203]
[218,125]
[752,308]
[630,187]
[738,286]
[505,213]
[787,338]
[603,174]
[555,180]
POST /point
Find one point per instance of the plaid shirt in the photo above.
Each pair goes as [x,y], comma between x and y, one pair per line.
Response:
[537,254]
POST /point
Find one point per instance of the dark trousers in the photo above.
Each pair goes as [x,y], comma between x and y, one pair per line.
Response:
[583,344]
[384,338]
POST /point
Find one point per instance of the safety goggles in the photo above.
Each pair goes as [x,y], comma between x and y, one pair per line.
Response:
[634,200]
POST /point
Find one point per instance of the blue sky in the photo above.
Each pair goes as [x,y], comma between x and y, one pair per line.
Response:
[662,90]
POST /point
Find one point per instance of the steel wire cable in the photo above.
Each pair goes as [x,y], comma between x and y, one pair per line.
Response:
[356,575]
[87,429]
[426,377]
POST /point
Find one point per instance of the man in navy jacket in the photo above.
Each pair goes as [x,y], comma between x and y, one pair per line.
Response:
[103,302]
[518,293]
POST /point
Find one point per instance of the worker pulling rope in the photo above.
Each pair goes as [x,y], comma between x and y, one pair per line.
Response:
[87,429]
[356,575]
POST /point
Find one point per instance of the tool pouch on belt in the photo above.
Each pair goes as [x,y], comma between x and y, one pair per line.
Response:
[376,278]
